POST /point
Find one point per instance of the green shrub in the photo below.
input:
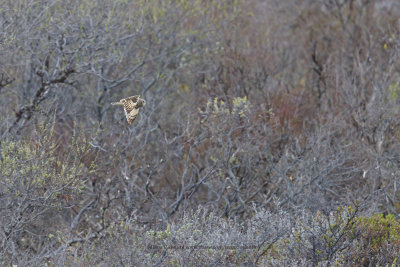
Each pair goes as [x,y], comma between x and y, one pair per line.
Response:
[379,243]
[39,177]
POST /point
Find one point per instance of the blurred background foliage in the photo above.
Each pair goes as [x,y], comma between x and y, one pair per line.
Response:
[282,117]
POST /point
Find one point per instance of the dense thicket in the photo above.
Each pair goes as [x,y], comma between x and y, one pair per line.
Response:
[280,117]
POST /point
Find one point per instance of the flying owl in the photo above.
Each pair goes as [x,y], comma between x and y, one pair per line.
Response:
[131,106]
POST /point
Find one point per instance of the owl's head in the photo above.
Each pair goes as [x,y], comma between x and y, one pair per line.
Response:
[140,103]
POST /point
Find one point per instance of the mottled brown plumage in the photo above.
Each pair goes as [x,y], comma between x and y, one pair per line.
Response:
[131,106]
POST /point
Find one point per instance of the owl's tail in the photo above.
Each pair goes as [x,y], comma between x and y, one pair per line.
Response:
[117,104]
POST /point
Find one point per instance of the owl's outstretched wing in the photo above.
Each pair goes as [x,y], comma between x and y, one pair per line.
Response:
[131,115]
[117,104]
[133,98]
